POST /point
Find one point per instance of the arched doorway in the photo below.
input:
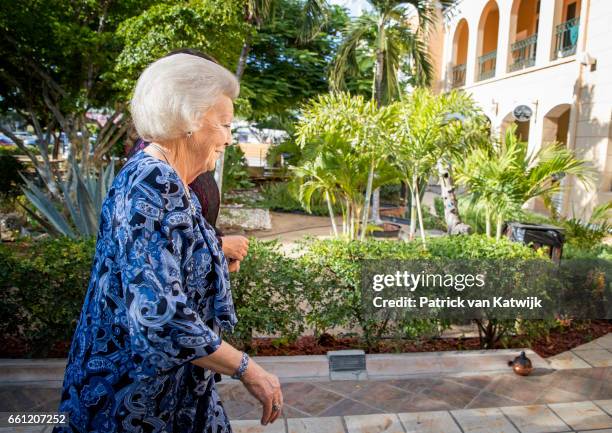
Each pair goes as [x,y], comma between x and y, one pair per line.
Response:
[555,130]
[488,30]
[460,48]
[522,128]
[524,23]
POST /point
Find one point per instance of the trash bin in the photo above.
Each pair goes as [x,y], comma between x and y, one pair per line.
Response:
[539,236]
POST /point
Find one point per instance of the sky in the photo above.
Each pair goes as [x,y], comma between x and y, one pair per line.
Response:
[355,7]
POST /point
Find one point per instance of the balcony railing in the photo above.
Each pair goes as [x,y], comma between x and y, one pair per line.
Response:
[458,75]
[566,38]
[523,53]
[486,65]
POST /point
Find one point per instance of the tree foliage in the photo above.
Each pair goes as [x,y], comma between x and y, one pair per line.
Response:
[503,176]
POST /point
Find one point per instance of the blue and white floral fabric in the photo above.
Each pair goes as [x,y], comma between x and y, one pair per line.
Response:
[158,298]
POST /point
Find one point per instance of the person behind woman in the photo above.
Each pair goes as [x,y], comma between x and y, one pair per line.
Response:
[206,189]
[148,342]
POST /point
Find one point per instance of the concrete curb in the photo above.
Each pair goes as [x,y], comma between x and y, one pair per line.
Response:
[316,367]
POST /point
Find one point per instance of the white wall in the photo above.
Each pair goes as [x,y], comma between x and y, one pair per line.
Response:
[549,84]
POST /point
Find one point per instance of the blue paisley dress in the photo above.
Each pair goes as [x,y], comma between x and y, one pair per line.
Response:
[158,298]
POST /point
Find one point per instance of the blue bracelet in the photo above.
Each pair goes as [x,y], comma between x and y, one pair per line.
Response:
[244,363]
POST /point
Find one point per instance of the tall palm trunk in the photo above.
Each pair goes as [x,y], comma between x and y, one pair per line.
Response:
[366,208]
[488,221]
[500,223]
[378,79]
[331,213]
[451,208]
[413,217]
[418,208]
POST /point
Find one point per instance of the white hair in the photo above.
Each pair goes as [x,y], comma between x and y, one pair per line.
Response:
[173,93]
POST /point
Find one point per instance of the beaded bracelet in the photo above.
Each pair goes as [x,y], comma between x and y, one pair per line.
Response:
[244,363]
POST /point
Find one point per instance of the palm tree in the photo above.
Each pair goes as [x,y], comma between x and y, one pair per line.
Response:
[465,127]
[387,34]
[417,129]
[504,176]
[337,134]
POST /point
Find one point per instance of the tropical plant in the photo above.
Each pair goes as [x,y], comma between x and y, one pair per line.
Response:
[424,138]
[343,138]
[503,176]
[76,212]
[587,233]
[395,43]
[464,127]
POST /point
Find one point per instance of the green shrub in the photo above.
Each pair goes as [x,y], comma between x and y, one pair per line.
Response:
[338,303]
[10,180]
[235,174]
[282,197]
[599,251]
[267,293]
[391,193]
[42,287]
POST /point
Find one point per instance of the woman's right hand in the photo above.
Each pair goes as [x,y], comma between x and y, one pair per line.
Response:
[265,387]
[235,247]
[233,266]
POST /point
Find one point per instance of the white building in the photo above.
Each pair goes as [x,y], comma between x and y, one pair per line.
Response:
[554,56]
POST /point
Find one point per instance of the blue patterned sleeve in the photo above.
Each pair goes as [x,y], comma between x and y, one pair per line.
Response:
[165,331]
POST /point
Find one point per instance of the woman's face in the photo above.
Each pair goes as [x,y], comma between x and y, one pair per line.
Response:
[215,133]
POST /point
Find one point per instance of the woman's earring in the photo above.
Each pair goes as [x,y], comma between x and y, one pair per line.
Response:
[189,133]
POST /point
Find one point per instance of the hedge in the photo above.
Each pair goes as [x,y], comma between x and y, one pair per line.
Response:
[43,285]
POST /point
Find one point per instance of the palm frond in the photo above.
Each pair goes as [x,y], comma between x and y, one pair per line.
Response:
[358,32]
[315,14]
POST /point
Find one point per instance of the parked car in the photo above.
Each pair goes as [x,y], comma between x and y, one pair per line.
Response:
[27,138]
[5,141]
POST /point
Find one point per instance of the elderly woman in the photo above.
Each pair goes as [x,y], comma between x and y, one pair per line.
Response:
[206,189]
[148,343]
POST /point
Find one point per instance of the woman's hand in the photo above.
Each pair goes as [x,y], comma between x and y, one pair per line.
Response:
[233,266]
[235,247]
[265,387]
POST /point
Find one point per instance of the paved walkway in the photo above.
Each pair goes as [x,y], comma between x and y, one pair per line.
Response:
[339,398]
[577,397]
[592,417]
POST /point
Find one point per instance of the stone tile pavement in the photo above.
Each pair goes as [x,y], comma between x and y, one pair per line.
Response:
[597,353]
[593,417]
[341,398]
[577,417]
[576,397]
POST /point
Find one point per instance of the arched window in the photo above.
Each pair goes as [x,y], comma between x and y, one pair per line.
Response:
[460,48]
[488,29]
[567,24]
[523,33]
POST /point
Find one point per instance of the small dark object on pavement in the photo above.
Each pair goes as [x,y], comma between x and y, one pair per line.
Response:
[521,365]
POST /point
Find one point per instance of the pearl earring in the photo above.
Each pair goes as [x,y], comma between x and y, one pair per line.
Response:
[189,133]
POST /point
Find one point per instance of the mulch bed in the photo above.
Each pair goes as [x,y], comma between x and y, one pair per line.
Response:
[559,340]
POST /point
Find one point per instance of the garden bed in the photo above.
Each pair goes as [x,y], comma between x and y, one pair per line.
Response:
[558,341]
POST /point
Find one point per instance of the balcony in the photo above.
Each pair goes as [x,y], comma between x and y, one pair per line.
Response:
[458,76]
[486,65]
[566,38]
[523,53]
